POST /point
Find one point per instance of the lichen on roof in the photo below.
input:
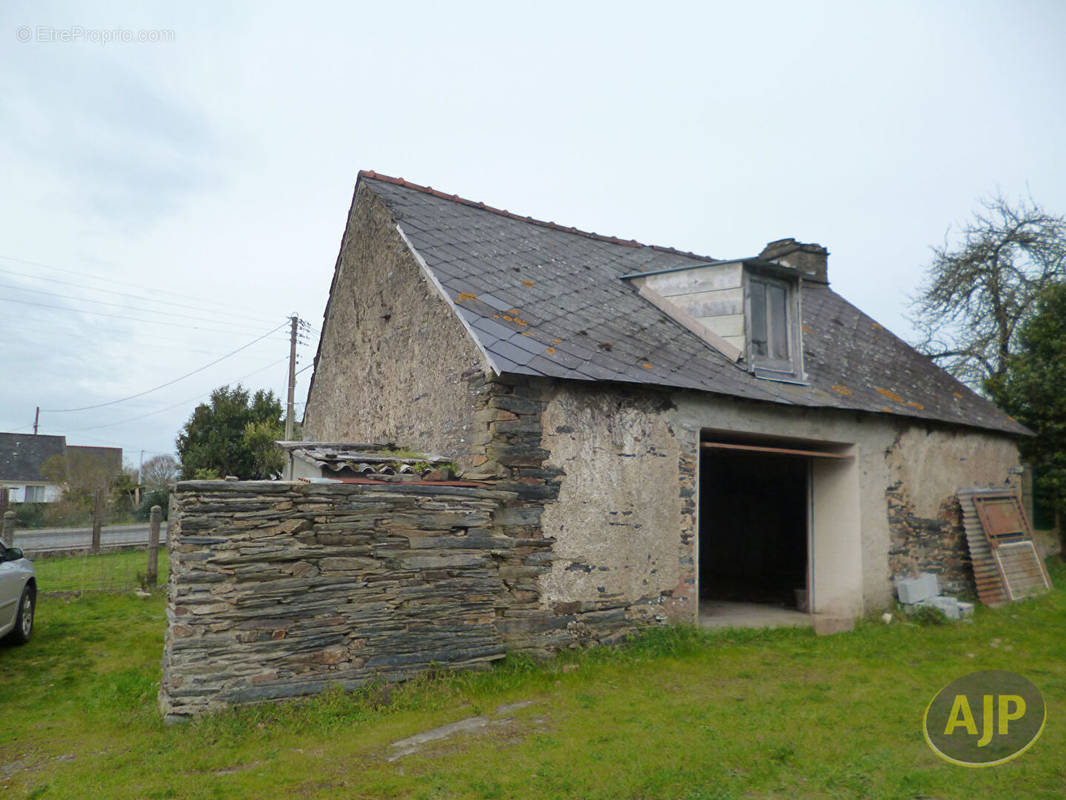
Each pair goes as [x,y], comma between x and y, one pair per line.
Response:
[485,259]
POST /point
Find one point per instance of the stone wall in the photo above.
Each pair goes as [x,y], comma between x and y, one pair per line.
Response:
[392,359]
[281,589]
[617,519]
[518,439]
[929,544]
[927,466]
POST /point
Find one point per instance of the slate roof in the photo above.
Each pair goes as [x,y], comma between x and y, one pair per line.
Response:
[359,458]
[542,299]
[22,454]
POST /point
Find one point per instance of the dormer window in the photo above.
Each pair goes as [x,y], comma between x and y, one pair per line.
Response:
[769,321]
[747,309]
[774,341]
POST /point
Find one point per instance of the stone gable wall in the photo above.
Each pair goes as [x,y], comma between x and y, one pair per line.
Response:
[393,359]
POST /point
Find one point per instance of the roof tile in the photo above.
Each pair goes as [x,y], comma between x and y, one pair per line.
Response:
[608,332]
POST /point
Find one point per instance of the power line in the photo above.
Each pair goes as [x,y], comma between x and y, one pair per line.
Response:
[68,309]
[127,294]
[240,326]
[168,383]
[76,330]
[90,276]
[182,403]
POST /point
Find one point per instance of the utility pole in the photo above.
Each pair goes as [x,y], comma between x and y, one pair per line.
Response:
[292,380]
[140,480]
[36,419]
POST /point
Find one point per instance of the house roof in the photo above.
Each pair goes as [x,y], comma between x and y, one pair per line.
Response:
[110,458]
[542,299]
[23,454]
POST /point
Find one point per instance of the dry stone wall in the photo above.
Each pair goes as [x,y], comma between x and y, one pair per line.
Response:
[934,545]
[281,589]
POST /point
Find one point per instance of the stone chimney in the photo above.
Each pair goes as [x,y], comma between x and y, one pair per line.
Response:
[809,258]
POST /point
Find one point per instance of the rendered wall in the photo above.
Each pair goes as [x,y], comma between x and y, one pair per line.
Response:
[625,526]
[620,537]
[16,492]
[394,359]
[926,467]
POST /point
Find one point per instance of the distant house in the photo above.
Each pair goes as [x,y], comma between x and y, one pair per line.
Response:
[106,459]
[683,430]
[22,455]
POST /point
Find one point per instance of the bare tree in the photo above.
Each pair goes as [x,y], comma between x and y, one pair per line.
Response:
[977,294]
[160,471]
[87,479]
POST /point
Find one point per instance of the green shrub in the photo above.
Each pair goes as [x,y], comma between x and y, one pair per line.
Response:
[29,515]
[155,497]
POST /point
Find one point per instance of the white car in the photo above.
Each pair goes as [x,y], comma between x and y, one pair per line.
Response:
[18,595]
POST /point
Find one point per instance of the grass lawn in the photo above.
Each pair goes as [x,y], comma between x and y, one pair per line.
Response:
[82,572]
[675,714]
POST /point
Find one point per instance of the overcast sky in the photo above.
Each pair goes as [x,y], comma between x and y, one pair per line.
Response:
[171,198]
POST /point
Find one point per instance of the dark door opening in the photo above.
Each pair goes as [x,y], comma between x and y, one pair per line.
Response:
[753,527]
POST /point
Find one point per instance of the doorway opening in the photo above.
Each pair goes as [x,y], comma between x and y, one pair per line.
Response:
[754,552]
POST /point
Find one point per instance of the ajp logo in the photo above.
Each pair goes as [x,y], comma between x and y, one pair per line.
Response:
[984,718]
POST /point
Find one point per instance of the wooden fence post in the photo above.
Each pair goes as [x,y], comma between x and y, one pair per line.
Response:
[153,547]
[98,517]
[8,531]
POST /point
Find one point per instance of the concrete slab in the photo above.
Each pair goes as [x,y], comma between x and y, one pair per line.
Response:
[915,590]
[724,614]
[405,747]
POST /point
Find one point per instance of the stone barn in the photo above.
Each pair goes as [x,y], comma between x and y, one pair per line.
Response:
[685,436]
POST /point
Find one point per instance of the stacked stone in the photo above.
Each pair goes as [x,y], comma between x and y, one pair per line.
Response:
[936,545]
[507,450]
[682,600]
[282,589]
[507,446]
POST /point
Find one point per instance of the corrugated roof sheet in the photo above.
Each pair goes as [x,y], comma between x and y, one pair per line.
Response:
[542,299]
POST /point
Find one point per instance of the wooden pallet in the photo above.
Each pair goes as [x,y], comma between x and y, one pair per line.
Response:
[1006,564]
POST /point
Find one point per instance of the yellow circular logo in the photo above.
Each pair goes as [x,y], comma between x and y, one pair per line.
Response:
[984,718]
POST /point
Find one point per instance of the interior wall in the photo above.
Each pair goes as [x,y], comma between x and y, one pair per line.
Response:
[753,527]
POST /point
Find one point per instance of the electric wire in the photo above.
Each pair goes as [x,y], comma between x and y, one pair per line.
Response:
[90,276]
[243,326]
[87,331]
[181,403]
[122,316]
[127,294]
[168,383]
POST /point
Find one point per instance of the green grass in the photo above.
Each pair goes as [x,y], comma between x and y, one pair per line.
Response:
[105,572]
[675,714]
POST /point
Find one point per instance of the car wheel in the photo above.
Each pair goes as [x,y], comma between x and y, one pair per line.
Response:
[24,622]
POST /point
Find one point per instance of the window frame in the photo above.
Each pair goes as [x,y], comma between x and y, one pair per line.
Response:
[792,367]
